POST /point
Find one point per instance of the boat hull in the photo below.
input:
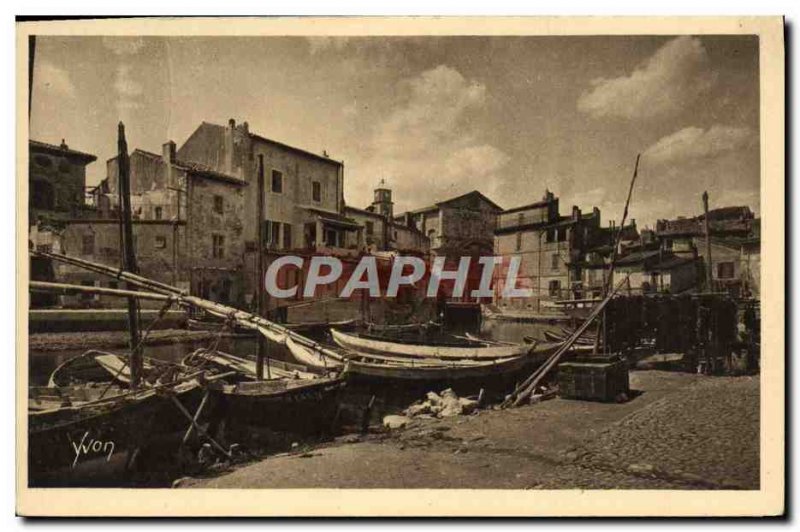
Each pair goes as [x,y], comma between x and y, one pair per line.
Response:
[477,352]
[120,426]
[301,409]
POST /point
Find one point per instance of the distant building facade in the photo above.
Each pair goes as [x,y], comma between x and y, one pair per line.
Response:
[735,241]
[551,249]
[383,232]
[457,227]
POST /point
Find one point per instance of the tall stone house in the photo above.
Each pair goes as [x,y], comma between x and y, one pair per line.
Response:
[551,249]
[56,189]
[187,229]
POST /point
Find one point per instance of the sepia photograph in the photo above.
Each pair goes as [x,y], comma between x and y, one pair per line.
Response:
[436,255]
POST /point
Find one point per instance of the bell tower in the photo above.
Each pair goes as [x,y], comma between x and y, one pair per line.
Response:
[382,202]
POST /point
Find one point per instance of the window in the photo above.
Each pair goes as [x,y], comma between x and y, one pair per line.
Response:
[113,284]
[42,195]
[330,238]
[316,191]
[157,213]
[519,241]
[161,242]
[87,244]
[725,270]
[218,246]
[287,236]
[275,233]
[277,182]
[219,203]
[550,235]
[555,260]
[554,288]
[370,227]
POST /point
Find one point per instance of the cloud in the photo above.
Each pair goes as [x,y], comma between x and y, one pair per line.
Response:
[53,78]
[128,91]
[692,143]
[432,135]
[672,78]
[123,45]
[125,85]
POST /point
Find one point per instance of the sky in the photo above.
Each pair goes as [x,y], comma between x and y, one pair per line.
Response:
[436,117]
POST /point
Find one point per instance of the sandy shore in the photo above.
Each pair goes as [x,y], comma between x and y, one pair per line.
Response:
[680,431]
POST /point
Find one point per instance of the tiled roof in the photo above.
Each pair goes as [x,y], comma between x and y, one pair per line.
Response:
[60,150]
[195,168]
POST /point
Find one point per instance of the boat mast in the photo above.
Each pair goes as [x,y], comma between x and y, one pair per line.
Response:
[709,271]
[260,344]
[128,253]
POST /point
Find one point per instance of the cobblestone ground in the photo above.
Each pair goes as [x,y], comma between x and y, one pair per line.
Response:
[706,437]
[682,431]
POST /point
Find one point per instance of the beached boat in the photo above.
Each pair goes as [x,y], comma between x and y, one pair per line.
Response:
[95,366]
[91,430]
[282,405]
[244,369]
[477,350]
[290,400]
[398,379]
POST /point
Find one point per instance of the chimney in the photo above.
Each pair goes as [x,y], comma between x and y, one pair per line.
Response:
[168,156]
[228,147]
[64,145]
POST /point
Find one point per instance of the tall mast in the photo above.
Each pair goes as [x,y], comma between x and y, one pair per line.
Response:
[128,253]
[260,347]
[709,272]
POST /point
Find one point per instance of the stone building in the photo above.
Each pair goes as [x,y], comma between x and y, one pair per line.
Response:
[655,271]
[460,226]
[56,180]
[735,239]
[303,202]
[551,249]
[187,228]
[56,189]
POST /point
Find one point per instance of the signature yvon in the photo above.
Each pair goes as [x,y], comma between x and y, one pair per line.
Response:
[92,446]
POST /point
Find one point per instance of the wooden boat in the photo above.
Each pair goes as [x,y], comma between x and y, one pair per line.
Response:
[477,351]
[406,327]
[94,366]
[396,380]
[282,405]
[290,400]
[244,368]
[90,431]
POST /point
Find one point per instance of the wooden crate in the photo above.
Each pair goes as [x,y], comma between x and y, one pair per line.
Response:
[600,379]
